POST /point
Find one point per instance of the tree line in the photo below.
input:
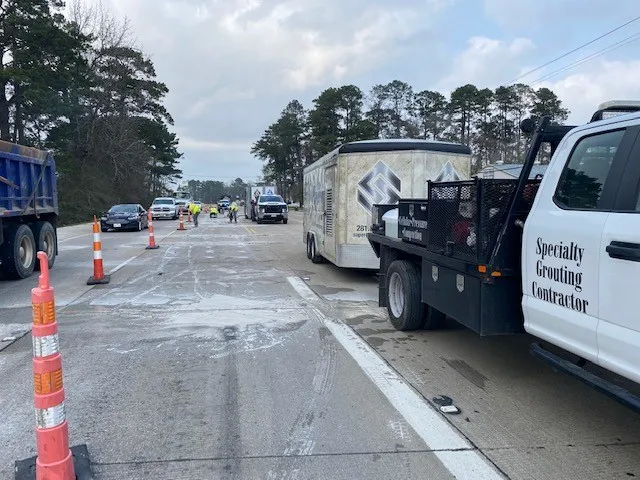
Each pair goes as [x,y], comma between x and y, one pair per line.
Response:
[487,120]
[79,86]
[210,191]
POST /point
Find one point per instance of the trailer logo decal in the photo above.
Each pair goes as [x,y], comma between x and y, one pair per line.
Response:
[447,174]
[379,185]
[460,283]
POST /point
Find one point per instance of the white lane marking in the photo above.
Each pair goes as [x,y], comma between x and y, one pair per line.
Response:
[73,238]
[123,264]
[451,448]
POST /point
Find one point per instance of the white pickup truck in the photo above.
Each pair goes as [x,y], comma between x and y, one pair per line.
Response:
[557,257]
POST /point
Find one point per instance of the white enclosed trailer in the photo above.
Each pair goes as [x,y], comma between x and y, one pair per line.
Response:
[341,188]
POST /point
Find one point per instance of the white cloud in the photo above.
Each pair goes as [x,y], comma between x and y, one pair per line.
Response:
[211,145]
[221,96]
[510,13]
[582,91]
[490,63]
[487,62]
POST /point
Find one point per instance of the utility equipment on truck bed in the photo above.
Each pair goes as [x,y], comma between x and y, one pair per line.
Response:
[555,257]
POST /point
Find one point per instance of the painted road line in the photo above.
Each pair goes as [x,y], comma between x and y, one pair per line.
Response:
[454,451]
[166,236]
[73,238]
[123,264]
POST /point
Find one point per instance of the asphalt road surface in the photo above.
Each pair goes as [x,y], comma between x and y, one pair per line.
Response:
[227,354]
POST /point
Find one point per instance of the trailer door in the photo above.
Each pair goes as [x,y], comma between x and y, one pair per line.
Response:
[329,212]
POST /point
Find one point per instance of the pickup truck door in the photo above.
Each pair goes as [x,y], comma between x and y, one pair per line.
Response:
[562,239]
[619,327]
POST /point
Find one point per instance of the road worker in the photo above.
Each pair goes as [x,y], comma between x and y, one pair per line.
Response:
[195,211]
[233,212]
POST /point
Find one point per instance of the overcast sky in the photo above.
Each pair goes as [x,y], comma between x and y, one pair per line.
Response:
[232,65]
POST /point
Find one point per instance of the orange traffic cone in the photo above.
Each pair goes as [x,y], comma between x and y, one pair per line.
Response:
[189,216]
[54,460]
[152,237]
[181,225]
[98,278]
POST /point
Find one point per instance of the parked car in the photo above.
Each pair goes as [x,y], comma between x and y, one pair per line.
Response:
[128,216]
[164,207]
[182,205]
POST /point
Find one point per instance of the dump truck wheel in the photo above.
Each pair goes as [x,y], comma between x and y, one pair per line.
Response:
[45,236]
[18,252]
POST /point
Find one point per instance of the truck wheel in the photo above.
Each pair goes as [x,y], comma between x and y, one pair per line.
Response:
[404,299]
[285,221]
[45,236]
[433,319]
[18,253]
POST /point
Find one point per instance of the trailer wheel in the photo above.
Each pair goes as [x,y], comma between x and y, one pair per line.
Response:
[45,236]
[18,252]
[315,258]
[404,300]
[309,247]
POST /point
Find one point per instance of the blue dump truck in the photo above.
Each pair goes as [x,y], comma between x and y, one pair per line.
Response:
[28,209]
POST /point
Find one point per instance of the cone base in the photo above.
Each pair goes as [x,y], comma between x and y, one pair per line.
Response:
[102,281]
[155,247]
[26,469]
[182,228]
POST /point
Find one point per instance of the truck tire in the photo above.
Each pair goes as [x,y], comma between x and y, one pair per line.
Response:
[285,221]
[45,236]
[18,252]
[404,299]
[433,319]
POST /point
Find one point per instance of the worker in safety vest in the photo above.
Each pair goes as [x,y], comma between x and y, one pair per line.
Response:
[213,212]
[233,212]
[195,211]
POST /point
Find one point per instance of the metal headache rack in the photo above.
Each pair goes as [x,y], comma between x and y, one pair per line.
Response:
[465,218]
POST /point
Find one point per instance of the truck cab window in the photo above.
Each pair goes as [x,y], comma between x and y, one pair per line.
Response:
[581,183]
